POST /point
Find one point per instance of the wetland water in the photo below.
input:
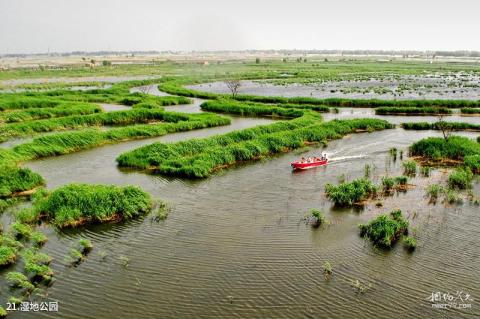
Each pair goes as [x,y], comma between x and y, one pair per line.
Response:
[420,87]
[235,245]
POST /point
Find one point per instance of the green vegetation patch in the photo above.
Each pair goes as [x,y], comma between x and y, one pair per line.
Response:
[453,148]
[14,179]
[199,158]
[350,193]
[65,109]
[412,110]
[77,204]
[385,230]
[455,126]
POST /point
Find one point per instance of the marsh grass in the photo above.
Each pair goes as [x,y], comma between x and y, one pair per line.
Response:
[38,239]
[434,191]
[327,270]
[410,243]
[455,126]
[460,178]
[65,109]
[14,180]
[409,168]
[77,204]
[199,158]
[315,218]
[436,149]
[412,110]
[119,118]
[385,230]
[37,264]
[472,162]
[85,246]
[351,193]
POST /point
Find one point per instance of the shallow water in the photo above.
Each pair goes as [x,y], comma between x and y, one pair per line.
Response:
[333,89]
[114,107]
[235,244]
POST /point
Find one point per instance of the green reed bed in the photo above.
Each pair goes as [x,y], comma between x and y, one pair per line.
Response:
[475,111]
[438,149]
[14,180]
[385,230]
[199,158]
[69,142]
[63,109]
[128,117]
[78,204]
[246,109]
[24,101]
[176,87]
[456,126]
[350,193]
[412,110]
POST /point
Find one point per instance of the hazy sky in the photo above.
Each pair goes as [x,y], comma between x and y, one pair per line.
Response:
[28,26]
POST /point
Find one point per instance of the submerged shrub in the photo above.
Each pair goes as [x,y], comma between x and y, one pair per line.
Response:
[74,257]
[315,217]
[21,231]
[385,230]
[401,180]
[36,264]
[19,280]
[460,178]
[410,168]
[76,204]
[433,191]
[85,246]
[38,239]
[473,163]
[327,270]
[452,197]
[425,170]
[349,193]
[388,183]
[410,243]
[7,255]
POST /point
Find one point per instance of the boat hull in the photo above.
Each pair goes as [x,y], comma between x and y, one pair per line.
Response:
[299,165]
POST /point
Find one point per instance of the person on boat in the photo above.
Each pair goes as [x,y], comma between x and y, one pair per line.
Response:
[303,160]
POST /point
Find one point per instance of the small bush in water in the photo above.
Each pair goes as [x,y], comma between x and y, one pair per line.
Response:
[85,246]
[315,217]
[433,191]
[385,229]
[349,193]
[473,163]
[426,170]
[410,168]
[38,239]
[460,178]
[8,255]
[410,243]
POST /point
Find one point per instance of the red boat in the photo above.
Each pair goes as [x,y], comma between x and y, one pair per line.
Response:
[306,164]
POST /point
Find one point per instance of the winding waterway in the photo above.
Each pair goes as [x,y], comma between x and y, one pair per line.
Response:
[235,245]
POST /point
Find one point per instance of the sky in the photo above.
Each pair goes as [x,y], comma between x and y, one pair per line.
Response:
[32,26]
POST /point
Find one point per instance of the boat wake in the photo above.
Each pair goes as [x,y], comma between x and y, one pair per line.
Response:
[344,158]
